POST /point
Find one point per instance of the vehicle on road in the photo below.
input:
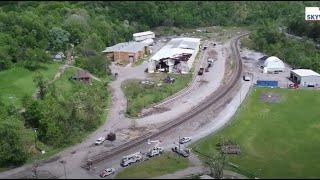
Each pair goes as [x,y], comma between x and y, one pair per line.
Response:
[100,140]
[130,159]
[184,140]
[107,172]
[181,151]
[210,61]
[155,151]
[294,86]
[246,78]
[200,72]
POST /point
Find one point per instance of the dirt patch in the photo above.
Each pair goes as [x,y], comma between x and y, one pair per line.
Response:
[50,160]
[153,110]
[132,132]
[202,82]
[270,97]
[316,126]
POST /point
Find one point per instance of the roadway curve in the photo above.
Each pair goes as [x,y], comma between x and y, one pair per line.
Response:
[218,96]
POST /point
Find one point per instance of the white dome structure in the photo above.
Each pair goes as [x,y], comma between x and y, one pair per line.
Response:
[273,64]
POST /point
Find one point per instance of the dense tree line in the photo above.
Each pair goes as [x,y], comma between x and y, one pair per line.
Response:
[60,119]
[298,53]
[31,31]
[305,29]
[12,150]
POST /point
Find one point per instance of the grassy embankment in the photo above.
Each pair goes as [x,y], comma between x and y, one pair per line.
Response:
[140,96]
[277,140]
[157,166]
[18,81]
[65,87]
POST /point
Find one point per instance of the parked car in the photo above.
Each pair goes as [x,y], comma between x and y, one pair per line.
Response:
[107,172]
[246,78]
[184,140]
[200,72]
[155,151]
[180,151]
[100,140]
[131,159]
[210,60]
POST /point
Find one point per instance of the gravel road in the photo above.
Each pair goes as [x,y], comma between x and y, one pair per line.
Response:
[203,124]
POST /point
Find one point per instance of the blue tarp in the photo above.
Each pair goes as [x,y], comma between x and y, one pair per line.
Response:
[262,83]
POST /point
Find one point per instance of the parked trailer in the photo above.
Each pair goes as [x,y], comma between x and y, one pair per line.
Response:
[270,84]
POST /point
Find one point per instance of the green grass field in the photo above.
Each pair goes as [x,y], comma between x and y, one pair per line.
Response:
[140,96]
[18,81]
[282,139]
[157,166]
[63,83]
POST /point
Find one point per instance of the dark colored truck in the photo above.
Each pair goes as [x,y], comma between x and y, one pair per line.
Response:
[200,72]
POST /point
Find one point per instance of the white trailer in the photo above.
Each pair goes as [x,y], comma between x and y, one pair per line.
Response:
[143,36]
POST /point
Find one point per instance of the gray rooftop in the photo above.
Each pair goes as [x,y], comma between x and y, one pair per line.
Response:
[184,43]
[131,47]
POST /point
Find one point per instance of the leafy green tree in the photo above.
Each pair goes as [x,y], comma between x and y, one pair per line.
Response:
[58,39]
[41,84]
[32,114]
[12,151]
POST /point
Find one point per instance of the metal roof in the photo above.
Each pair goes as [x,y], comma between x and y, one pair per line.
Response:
[131,47]
[176,47]
[273,62]
[147,41]
[143,33]
[82,74]
[305,72]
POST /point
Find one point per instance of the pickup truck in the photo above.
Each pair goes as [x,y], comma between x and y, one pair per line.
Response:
[200,72]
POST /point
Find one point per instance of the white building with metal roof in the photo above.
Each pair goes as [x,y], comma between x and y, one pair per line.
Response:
[177,56]
[273,64]
[143,36]
[305,77]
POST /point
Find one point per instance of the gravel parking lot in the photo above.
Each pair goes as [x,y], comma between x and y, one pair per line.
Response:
[252,63]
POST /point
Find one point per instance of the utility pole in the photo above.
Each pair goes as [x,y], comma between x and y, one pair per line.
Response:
[240,97]
[35,166]
[35,137]
[64,168]
[179,140]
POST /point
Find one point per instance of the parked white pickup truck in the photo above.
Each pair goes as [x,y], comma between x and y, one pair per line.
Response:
[100,140]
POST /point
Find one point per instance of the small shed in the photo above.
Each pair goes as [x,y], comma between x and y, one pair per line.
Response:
[305,77]
[58,57]
[83,76]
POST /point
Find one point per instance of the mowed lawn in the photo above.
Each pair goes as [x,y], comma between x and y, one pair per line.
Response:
[282,139]
[18,81]
[157,166]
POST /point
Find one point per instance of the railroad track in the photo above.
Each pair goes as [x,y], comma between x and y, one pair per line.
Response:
[186,90]
[220,93]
